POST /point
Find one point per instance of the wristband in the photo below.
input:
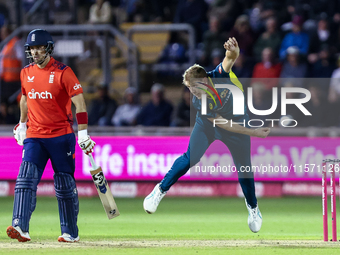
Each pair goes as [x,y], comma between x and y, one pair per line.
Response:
[82,133]
[82,118]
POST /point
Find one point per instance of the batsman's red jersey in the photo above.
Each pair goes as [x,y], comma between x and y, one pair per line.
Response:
[49,91]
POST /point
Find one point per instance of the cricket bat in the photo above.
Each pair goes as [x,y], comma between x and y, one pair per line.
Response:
[103,189]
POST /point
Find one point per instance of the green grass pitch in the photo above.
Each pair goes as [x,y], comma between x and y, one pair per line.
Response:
[180,226]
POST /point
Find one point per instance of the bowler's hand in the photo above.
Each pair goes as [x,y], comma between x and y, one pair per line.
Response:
[261,132]
[232,48]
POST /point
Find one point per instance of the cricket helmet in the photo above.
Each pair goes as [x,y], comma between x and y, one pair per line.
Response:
[39,37]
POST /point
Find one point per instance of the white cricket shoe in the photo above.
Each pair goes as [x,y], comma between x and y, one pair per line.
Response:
[152,201]
[67,238]
[254,218]
[17,233]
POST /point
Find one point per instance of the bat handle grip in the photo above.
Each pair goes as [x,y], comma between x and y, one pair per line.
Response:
[94,165]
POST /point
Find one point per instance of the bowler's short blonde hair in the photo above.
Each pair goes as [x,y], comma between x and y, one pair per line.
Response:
[193,72]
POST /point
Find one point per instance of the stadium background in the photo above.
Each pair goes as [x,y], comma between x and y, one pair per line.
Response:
[140,43]
[144,42]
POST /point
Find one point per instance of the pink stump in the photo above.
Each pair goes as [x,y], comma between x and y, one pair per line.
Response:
[333,204]
[324,201]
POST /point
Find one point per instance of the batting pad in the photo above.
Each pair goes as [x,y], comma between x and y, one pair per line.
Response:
[68,203]
[25,198]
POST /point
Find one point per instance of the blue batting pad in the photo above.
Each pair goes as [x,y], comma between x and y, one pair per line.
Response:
[68,203]
[25,195]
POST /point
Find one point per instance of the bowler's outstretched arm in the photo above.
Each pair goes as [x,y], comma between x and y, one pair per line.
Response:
[231,54]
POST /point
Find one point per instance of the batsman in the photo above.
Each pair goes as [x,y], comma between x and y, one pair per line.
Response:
[45,131]
[235,137]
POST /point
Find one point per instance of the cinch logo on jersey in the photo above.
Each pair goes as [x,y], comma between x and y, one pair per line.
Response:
[77,86]
[39,95]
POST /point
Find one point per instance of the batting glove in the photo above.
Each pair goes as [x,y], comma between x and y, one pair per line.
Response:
[19,132]
[86,144]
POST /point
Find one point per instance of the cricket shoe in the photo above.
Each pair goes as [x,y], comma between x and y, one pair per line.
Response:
[152,201]
[254,218]
[67,238]
[17,233]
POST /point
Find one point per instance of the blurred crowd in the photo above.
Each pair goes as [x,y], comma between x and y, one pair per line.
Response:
[158,111]
[288,43]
